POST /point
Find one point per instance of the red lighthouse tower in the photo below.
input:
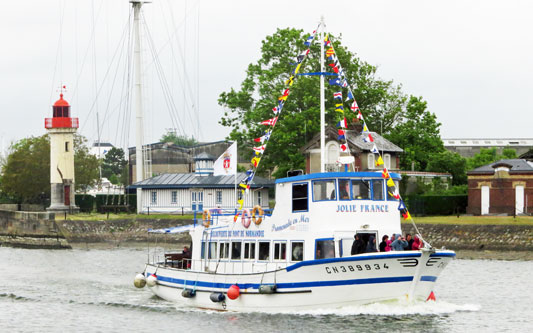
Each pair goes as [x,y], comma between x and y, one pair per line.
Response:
[61,128]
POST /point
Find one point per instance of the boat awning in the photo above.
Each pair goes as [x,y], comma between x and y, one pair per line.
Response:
[173,230]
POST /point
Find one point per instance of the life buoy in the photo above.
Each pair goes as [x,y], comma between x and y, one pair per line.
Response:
[206,217]
[259,219]
[245,218]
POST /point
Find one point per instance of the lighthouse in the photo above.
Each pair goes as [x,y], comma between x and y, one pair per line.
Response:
[61,128]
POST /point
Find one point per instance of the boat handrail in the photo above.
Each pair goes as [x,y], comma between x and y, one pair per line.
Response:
[219,266]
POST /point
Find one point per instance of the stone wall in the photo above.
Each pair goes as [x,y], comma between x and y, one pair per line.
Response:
[476,237]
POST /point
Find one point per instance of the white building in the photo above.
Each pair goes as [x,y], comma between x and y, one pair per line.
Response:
[199,191]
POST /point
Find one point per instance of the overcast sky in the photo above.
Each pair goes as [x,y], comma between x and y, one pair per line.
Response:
[470,60]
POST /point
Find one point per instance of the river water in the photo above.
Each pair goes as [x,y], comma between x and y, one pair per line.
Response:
[92,291]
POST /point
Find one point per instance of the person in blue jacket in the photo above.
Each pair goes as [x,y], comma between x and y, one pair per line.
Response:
[399,243]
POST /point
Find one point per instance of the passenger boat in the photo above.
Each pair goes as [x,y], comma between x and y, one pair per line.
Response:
[299,255]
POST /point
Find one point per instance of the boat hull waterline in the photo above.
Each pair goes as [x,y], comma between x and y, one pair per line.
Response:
[335,282]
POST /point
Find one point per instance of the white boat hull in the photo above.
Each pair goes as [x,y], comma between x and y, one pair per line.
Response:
[325,283]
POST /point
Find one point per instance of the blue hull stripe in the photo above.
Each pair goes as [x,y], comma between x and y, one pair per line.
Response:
[349,259]
[213,285]
[441,254]
[428,278]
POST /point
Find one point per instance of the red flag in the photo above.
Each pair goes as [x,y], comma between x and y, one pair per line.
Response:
[335,68]
[354,106]
[269,122]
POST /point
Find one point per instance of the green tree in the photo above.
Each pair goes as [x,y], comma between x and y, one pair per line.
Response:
[113,165]
[418,134]
[453,163]
[381,101]
[180,140]
[488,156]
[26,173]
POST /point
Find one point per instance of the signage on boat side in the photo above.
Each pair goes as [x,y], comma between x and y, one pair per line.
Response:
[290,222]
[362,208]
[237,233]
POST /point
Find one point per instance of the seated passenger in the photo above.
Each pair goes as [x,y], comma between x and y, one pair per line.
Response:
[399,244]
[371,245]
[417,243]
[186,252]
[344,189]
[383,243]
[357,246]
[409,240]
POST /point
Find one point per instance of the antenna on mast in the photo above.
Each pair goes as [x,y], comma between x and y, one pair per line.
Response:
[322,100]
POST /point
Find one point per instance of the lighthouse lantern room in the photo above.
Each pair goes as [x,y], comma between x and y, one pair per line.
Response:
[61,128]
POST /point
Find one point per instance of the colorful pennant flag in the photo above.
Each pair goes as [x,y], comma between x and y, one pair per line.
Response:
[401,206]
[407,216]
[342,134]
[374,150]
[343,147]
[342,123]
[326,40]
[309,40]
[290,81]
[275,109]
[354,106]
[269,122]
[390,183]
[379,161]
[365,129]
[337,95]
[350,95]
[335,68]
[330,52]
[368,138]
[359,115]
[260,149]
[255,161]
[263,138]
[249,176]
[344,83]
[297,69]
[385,173]
[339,107]
[395,194]
[335,82]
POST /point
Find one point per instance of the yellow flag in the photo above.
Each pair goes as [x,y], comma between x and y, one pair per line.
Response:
[282,98]
[290,81]
[407,216]
[241,202]
[255,161]
[297,69]
[365,129]
[390,183]
[243,185]
[379,161]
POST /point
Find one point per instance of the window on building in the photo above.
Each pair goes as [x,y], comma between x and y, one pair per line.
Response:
[280,250]
[360,189]
[390,195]
[154,197]
[249,250]
[386,160]
[264,251]
[344,189]
[297,251]
[371,161]
[325,248]
[259,197]
[212,253]
[66,146]
[218,197]
[174,197]
[324,190]
[223,250]
[299,197]
[236,250]
[377,189]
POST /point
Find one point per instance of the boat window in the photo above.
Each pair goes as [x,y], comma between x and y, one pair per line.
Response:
[212,250]
[377,189]
[249,250]
[223,250]
[390,195]
[324,190]
[297,251]
[236,250]
[202,255]
[264,250]
[299,197]
[360,189]
[280,251]
[324,248]
[344,189]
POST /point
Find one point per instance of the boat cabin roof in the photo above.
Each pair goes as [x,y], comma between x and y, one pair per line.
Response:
[329,175]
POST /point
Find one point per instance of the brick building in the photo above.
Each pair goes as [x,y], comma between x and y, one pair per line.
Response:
[503,187]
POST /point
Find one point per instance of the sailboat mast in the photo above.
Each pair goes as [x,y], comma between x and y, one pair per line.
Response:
[322,101]
[139,163]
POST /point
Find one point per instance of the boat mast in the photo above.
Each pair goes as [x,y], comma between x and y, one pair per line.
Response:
[322,101]
[139,163]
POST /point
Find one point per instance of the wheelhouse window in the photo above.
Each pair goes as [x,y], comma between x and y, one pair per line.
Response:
[297,251]
[280,250]
[154,197]
[212,252]
[324,190]
[377,189]
[264,251]
[344,189]
[202,253]
[360,189]
[390,195]
[223,250]
[324,248]
[236,250]
[174,197]
[299,198]
[249,251]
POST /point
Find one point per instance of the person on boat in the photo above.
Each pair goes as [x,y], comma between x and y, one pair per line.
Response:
[417,243]
[399,244]
[410,241]
[383,245]
[371,245]
[344,189]
[357,246]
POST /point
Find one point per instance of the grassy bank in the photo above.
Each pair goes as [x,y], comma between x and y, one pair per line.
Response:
[481,220]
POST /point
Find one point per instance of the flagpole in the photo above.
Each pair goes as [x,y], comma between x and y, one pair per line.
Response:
[322,101]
